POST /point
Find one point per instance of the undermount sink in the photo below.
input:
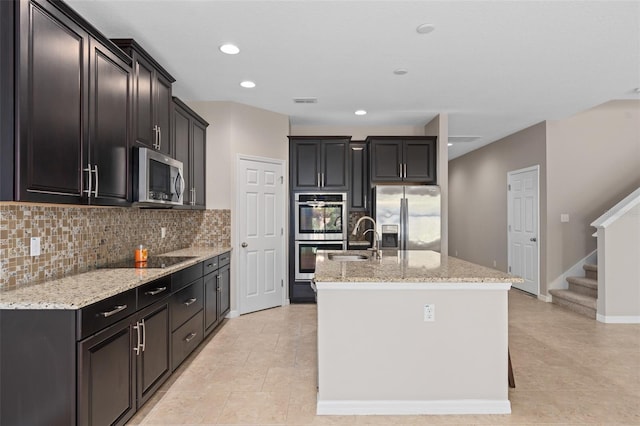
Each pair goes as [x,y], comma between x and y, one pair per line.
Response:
[347,257]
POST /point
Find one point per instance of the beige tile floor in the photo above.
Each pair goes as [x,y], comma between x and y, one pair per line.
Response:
[261,369]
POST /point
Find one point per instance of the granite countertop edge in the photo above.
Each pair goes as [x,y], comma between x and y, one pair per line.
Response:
[77,291]
[427,268]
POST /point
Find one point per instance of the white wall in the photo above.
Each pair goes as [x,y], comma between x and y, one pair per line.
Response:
[239,129]
[357,132]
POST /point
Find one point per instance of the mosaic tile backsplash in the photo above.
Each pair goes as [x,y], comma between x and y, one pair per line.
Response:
[77,239]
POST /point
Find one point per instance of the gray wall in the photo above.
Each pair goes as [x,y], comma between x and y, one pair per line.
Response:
[478,198]
[593,161]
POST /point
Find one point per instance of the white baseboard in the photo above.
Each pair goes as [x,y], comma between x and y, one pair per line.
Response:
[545,298]
[560,283]
[463,406]
[233,314]
[615,319]
[287,302]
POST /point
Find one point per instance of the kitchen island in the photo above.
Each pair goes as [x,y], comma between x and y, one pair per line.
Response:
[414,332]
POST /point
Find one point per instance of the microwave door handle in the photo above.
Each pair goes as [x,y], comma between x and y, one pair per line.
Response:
[180,187]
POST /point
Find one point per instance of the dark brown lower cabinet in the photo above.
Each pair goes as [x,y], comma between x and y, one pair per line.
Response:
[120,367]
[217,290]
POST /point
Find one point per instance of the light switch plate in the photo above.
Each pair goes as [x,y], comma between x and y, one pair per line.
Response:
[35,246]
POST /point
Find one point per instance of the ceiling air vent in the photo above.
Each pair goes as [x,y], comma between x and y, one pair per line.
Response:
[463,139]
[305,100]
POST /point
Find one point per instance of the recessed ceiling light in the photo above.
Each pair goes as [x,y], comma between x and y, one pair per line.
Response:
[425,28]
[229,49]
[449,144]
[400,71]
[248,84]
[361,112]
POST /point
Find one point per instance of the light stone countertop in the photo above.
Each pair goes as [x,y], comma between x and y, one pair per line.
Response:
[411,266]
[77,291]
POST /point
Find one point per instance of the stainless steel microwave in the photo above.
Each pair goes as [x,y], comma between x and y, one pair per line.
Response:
[158,179]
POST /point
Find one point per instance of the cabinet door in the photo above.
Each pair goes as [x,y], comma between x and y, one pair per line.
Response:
[181,141]
[359,177]
[53,77]
[305,162]
[210,301]
[154,363]
[386,157]
[162,113]
[198,164]
[109,124]
[334,165]
[106,393]
[143,99]
[224,292]
[419,157]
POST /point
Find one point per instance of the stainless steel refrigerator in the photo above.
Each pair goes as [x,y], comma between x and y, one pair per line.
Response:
[408,217]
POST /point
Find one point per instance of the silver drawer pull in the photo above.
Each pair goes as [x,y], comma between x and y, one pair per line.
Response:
[190,337]
[209,265]
[114,311]
[190,301]
[156,291]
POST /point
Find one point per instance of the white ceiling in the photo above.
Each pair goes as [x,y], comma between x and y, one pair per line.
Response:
[494,66]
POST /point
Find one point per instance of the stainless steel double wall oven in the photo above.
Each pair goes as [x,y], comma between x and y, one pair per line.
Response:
[321,223]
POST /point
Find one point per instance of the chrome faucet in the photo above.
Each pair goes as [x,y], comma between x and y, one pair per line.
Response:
[374,246]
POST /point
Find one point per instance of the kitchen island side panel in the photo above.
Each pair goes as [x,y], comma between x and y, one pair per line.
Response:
[37,367]
[374,345]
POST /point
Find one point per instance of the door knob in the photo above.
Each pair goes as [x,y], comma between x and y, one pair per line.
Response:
[244,245]
[534,239]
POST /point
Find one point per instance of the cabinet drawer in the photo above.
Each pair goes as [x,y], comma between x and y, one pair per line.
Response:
[210,265]
[185,339]
[155,290]
[106,312]
[181,278]
[224,259]
[185,303]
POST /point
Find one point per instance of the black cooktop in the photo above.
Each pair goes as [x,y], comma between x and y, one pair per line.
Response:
[152,262]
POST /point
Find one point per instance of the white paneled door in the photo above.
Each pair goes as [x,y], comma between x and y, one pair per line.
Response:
[522,228]
[261,214]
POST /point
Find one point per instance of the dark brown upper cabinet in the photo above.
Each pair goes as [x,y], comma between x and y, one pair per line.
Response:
[359,187]
[319,162]
[189,140]
[71,109]
[151,99]
[410,159]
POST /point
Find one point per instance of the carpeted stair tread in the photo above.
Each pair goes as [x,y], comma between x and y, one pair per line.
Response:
[584,282]
[573,297]
[590,267]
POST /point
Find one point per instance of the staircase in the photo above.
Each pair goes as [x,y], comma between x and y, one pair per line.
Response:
[582,295]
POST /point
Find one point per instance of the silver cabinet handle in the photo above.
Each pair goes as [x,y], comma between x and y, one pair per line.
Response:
[143,344]
[159,138]
[137,347]
[114,311]
[244,245]
[95,170]
[323,180]
[155,136]
[405,171]
[156,291]
[190,301]
[533,240]
[400,170]
[190,337]
[365,201]
[193,196]
[218,282]
[88,169]
[318,185]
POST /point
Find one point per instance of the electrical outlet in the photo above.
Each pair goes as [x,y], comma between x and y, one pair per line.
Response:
[163,232]
[429,312]
[456,254]
[564,217]
[35,246]
[495,263]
